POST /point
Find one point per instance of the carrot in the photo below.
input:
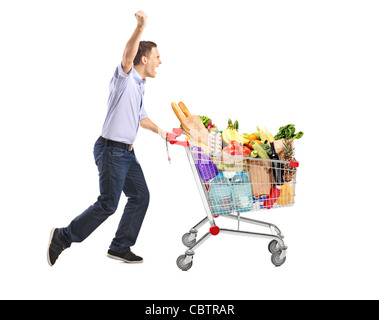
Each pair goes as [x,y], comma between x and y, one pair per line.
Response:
[177,111]
[183,107]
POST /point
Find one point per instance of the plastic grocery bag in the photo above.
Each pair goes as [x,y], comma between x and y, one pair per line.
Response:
[261,177]
[207,169]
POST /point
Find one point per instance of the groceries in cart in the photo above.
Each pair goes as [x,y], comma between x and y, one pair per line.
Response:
[237,173]
[241,172]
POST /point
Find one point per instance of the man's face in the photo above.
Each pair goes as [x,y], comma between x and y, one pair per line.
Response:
[153,62]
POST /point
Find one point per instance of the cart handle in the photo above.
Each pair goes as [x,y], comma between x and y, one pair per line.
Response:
[294,164]
[171,137]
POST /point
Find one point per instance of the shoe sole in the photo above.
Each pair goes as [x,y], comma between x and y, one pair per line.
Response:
[121,259]
[48,247]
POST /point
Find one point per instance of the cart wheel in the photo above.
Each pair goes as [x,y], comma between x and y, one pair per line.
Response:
[275,259]
[181,265]
[273,246]
[186,242]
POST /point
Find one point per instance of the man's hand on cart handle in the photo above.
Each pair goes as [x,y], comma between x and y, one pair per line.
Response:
[171,137]
[162,133]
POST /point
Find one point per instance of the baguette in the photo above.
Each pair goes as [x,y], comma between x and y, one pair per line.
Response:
[177,111]
[183,107]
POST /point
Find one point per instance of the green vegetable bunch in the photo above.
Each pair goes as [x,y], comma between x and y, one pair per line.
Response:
[266,148]
[206,121]
[288,132]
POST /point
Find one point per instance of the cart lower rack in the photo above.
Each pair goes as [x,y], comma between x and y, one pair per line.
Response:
[230,185]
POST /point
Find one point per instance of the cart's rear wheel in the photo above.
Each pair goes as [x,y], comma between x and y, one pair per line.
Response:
[181,265]
[273,246]
[275,259]
[186,242]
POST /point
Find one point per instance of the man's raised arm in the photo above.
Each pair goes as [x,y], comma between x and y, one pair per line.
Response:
[131,47]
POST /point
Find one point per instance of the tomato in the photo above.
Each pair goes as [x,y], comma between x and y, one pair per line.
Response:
[246,151]
[234,147]
[234,143]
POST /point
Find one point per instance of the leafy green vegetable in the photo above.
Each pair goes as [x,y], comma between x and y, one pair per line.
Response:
[288,132]
[206,121]
[298,135]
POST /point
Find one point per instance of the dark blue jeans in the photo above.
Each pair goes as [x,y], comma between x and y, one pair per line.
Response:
[119,171]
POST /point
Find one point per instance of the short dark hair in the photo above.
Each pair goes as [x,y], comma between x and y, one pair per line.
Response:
[144,49]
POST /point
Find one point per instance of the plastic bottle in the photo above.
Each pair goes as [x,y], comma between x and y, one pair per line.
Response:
[221,195]
[243,198]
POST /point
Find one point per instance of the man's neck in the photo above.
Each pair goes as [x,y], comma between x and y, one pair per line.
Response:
[140,71]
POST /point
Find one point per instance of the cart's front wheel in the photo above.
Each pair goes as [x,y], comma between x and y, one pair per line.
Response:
[275,259]
[181,265]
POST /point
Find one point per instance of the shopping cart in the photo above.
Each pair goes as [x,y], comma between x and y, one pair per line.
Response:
[231,185]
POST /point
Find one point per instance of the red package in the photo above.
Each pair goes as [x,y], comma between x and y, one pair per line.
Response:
[271,199]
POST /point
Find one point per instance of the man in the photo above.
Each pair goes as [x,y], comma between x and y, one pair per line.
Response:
[119,170]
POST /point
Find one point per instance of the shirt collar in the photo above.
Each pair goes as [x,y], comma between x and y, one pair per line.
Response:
[138,78]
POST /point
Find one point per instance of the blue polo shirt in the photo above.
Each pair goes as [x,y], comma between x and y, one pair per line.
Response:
[125,106]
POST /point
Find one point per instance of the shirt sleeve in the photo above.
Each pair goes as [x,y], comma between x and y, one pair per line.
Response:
[118,78]
[142,114]
[120,71]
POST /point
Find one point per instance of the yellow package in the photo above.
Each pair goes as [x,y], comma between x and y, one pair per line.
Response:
[286,194]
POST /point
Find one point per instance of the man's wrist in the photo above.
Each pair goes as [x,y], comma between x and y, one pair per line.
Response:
[162,133]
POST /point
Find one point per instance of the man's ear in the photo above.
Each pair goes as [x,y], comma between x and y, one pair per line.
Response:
[144,59]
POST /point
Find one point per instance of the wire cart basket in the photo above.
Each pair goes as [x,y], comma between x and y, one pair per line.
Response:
[230,185]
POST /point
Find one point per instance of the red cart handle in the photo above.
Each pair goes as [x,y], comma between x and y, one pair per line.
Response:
[171,137]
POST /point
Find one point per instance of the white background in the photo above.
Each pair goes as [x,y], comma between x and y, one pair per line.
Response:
[310,63]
